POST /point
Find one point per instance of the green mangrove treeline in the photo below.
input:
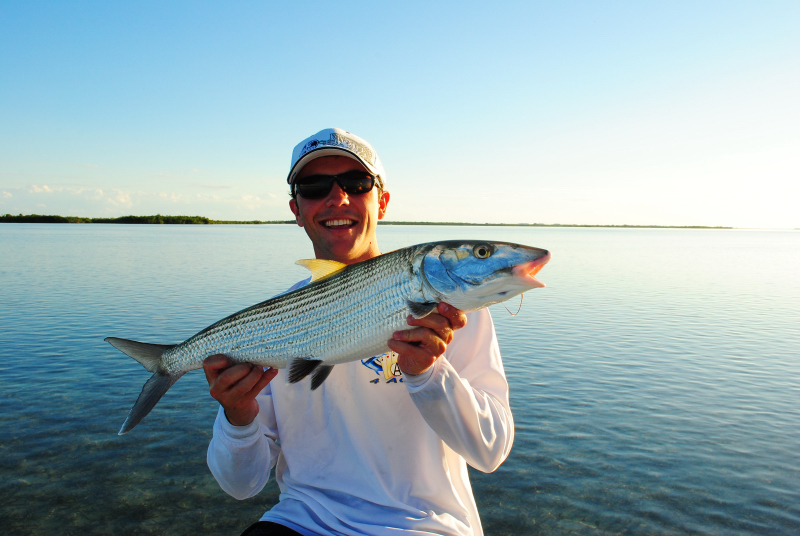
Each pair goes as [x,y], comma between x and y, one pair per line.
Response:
[202,220]
[157,219]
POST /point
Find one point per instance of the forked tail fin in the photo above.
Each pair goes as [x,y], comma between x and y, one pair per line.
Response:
[149,355]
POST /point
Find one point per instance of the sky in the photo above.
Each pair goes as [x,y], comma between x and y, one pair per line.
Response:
[605,113]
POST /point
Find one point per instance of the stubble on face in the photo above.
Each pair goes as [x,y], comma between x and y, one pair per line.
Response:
[341,227]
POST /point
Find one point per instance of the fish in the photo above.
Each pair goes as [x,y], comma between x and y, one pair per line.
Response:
[345,313]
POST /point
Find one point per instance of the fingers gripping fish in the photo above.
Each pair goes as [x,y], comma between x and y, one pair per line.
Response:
[346,313]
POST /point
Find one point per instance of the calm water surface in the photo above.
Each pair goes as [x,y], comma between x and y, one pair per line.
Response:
[655,382]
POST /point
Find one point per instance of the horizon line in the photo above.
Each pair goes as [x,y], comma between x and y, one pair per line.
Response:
[173,220]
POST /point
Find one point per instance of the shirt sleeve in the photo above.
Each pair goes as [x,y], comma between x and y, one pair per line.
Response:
[465,399]
[241,457]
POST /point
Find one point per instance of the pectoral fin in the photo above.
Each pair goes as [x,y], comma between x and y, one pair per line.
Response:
[421,309]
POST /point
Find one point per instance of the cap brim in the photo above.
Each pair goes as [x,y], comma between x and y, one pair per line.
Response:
[327,151]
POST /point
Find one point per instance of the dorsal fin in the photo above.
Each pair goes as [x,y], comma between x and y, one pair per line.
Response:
[321,268]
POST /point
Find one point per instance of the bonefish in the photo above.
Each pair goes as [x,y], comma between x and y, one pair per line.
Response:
[345,314]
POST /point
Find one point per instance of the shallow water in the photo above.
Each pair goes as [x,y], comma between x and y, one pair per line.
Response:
[655,382]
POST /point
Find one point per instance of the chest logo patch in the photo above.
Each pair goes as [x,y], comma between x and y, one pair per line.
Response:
[385,366]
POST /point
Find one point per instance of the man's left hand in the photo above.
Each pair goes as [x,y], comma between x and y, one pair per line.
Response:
[418,348]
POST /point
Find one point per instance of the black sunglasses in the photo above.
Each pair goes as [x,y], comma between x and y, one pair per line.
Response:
[318,186]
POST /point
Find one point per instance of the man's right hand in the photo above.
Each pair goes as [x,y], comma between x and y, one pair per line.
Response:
[235,387]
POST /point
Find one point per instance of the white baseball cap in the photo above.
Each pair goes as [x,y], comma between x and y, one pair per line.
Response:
[336,142]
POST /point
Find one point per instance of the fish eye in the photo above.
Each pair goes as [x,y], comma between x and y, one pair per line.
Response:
[482,251]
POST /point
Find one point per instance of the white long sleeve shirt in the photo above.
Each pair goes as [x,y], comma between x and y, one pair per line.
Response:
[372,452]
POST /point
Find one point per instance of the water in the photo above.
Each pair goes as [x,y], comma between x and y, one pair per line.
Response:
[654,383]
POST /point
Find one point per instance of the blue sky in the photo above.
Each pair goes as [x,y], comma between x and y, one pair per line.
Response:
[676,113]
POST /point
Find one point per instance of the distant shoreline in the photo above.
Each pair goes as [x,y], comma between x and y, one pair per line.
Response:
[158,219]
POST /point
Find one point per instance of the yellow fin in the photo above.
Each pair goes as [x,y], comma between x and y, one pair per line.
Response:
[321,268]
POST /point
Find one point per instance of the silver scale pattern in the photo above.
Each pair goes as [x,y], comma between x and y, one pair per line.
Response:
[348,316]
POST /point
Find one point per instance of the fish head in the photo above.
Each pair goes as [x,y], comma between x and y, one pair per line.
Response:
[471,274]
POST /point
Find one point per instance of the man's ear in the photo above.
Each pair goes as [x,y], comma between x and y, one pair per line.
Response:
[296,211]
[383,202]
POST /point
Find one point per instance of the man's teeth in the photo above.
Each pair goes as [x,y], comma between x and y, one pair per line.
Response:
[338,223]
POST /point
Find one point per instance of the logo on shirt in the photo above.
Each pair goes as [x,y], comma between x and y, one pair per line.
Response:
[385,366]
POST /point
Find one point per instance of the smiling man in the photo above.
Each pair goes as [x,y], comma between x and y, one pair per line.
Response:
[382,446]
[341,226]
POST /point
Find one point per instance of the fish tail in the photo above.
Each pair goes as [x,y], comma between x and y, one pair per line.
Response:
[149,355]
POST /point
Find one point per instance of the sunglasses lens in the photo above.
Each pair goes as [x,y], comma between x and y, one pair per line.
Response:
[356,182]
[319,186]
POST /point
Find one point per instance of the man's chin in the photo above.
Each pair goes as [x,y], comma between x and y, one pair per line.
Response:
[341,245]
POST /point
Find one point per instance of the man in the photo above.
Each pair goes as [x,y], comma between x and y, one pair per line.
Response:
[380,447]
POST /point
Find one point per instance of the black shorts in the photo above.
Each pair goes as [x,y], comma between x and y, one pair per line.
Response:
[268,528]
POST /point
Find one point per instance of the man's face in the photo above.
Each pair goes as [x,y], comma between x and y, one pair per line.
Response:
[341,227]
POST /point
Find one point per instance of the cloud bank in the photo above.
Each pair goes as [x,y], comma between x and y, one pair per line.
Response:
[224,203]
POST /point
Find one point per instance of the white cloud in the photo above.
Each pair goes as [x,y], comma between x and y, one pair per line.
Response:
[43,188]
[213,186]
[251,202]
[171,196]
[120,198]
[95,200]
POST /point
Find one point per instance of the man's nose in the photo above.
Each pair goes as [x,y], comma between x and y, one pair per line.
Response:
[337,196]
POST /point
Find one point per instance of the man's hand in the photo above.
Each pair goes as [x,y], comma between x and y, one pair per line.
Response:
[235,387]
[418,348]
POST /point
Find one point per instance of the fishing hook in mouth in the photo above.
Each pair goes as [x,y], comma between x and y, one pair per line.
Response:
[518,310]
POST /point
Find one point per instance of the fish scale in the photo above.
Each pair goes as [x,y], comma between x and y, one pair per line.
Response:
[346,313]
[337,334]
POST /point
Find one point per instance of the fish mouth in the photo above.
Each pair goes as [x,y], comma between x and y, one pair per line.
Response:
[528,270]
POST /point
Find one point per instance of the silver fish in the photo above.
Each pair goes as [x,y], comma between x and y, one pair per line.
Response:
[346,313]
